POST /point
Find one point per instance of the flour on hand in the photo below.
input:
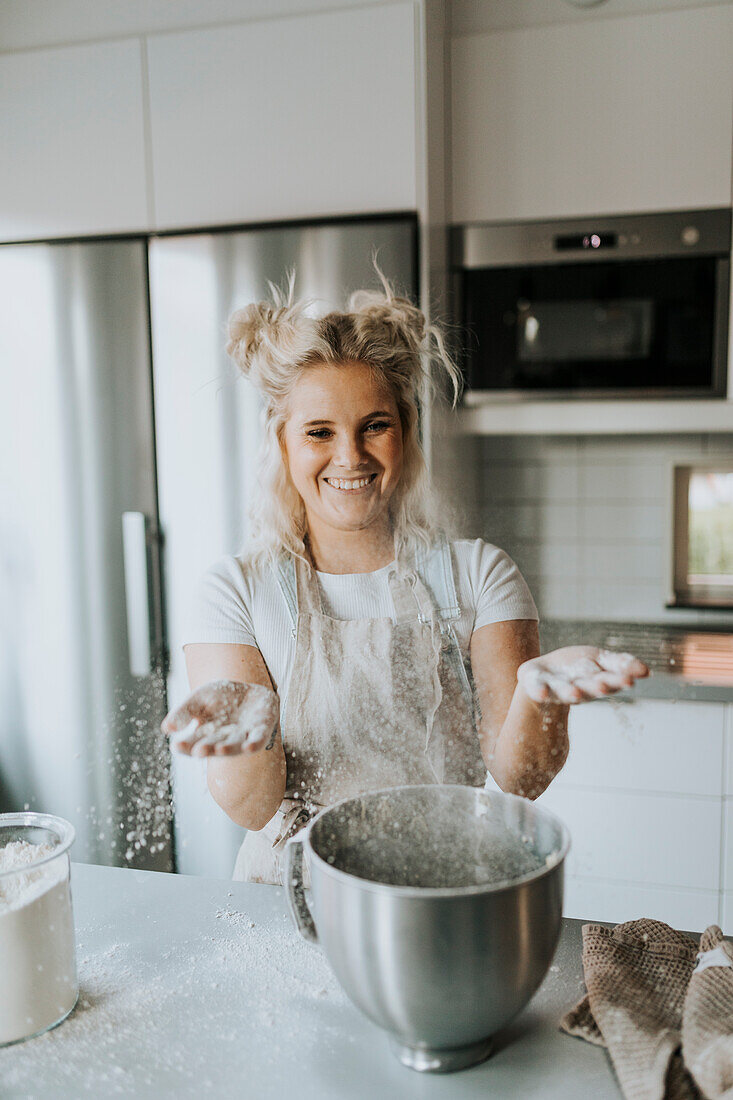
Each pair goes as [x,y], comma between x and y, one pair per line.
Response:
[224,717]
[578,673]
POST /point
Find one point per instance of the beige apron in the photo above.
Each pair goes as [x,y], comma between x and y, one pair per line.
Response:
[372,703]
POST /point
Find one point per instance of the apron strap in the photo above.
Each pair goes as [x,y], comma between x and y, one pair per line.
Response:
[410,598]
[296,582]
[284,570]
[299,587]
[308,589]
[435,568]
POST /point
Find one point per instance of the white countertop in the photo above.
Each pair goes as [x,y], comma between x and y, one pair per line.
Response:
[196,987]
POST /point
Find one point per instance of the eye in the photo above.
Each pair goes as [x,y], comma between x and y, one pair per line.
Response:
[378,425]
[319,433]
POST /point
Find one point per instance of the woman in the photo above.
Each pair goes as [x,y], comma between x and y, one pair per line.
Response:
[353,616]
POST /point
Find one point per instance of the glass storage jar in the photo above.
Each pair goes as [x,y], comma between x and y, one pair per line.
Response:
[37,948]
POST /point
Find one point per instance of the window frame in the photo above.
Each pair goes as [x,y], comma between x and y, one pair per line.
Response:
[682,593]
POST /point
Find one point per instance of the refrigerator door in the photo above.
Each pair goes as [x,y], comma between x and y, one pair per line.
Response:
[81,627]
[208,430]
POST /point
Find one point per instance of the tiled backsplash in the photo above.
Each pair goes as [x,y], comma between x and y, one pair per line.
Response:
[587,518]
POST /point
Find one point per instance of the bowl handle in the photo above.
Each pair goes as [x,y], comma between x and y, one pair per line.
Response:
[297,904]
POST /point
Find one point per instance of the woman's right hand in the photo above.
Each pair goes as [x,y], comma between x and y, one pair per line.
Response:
[224,718]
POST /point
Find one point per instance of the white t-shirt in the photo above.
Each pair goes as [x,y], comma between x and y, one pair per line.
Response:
[238,604]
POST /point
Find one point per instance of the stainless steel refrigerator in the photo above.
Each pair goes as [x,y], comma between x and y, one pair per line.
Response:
[82,655]
[129,448]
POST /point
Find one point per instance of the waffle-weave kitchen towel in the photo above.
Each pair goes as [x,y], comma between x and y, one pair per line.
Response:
[637,976]
[707,1017]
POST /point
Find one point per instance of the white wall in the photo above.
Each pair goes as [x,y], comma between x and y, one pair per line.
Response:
[647,792]
[587,519]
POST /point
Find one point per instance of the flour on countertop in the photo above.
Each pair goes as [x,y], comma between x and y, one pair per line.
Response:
[186,1018]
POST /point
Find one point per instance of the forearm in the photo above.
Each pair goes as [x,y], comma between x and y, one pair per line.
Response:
[249,787]
[531,746]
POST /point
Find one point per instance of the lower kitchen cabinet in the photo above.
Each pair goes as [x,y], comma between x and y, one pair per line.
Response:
[591,899]
[645,796]
[647,745]
[659,840]
[727,883]
[726,917]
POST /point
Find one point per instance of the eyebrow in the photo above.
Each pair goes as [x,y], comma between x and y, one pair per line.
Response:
[370,416]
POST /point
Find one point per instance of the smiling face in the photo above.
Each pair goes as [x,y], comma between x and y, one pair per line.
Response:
[342,442]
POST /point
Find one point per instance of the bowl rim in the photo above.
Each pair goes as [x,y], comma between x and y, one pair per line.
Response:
[439,891]
[64,830]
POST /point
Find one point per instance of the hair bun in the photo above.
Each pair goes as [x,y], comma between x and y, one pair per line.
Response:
[246,330]
[403,320]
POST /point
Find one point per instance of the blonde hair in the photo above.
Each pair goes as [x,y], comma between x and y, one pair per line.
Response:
[274,342]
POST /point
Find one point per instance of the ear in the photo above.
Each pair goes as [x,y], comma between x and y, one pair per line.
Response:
[285,464]
[408,420]
[280,436]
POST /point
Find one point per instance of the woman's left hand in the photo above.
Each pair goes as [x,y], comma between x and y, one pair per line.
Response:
[578,673]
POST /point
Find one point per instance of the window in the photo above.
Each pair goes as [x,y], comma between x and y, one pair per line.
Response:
[703,536]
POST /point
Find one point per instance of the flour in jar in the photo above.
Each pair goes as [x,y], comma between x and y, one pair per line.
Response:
[37,956]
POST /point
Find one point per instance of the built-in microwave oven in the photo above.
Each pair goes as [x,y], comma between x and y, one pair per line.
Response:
[633,306]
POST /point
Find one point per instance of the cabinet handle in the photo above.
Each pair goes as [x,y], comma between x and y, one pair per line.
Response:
[137,591]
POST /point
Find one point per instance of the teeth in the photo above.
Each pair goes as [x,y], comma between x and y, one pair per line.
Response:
[340,483]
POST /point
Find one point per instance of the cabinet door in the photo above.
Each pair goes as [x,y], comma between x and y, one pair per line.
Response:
[634,837]
[726,919]
[273,119]
[647,745]
[600,116]
[71,128]
[592,899]
[642,795]
[729,750]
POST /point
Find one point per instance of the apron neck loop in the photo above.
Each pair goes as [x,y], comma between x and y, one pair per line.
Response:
[412,601]
[308,589]
[410,597]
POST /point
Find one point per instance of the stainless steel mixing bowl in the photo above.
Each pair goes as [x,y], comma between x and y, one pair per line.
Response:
[438,908]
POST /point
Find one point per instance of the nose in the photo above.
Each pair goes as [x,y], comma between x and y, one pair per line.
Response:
[349,453]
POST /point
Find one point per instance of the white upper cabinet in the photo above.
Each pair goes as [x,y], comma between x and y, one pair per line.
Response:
[292,117]
[602,116]
[72,135]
